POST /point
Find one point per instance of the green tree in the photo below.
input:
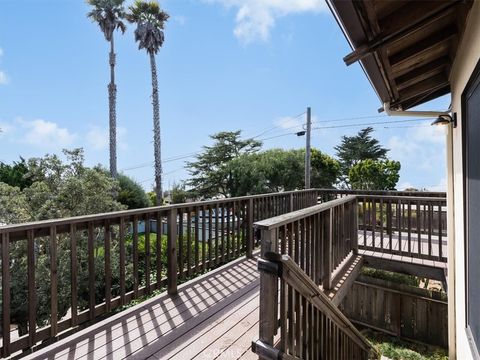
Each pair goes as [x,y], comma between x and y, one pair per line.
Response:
[179,194]
[375,175]
[280,170]
[354,149]
[15,174]
[150,20]
[59,189]
[325,170]
[108,14]
[210,173]
[131,194]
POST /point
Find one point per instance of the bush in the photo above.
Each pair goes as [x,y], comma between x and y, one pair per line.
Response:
[132,194]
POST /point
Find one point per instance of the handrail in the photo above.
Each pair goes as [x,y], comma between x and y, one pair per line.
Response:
[278,221]
[385,192]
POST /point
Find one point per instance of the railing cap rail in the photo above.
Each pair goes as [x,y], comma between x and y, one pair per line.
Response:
[280,220]
[400,197]
[143,211]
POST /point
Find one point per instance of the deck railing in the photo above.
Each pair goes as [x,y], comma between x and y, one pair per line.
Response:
[311,326]
[94,264]
[304,249]
[406,226]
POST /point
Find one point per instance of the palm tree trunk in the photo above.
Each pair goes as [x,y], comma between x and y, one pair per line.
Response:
[156,132]
[112,103]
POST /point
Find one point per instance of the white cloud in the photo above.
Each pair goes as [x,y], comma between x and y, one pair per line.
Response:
[45,134]
[3,78]
[256,18]
[99,138]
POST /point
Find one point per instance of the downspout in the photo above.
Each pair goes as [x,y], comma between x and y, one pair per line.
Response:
[428,114]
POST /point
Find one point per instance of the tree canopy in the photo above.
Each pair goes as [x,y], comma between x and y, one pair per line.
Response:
[353,149]
[375,175]
[210,174]
[58,189]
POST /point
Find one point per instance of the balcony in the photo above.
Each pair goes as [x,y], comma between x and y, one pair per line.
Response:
[196,266]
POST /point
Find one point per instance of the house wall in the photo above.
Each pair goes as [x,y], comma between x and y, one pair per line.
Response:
[467,57]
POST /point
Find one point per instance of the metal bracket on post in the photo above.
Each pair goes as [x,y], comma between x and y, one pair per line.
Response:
[270,267]
[265,351]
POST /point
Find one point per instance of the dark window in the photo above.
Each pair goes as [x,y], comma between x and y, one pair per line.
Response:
[471,137]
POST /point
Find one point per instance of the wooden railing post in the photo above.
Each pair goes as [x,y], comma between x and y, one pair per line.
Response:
[328,247]
[268,320]
[172,252]
[250,232]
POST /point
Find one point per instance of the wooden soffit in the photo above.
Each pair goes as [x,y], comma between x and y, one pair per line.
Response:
[406,47]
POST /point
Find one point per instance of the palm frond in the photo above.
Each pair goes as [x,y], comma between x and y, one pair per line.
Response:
[150,20]
[109,15]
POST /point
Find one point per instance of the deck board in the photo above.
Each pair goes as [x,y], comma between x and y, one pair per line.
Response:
[192,321]
[214,316]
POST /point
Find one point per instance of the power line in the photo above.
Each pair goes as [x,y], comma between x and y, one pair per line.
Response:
[349,126]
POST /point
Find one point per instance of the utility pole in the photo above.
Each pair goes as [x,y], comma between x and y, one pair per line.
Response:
[308,166]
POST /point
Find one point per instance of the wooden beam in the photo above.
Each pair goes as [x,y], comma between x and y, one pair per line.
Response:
[425,49]
[420,270]
[423,72]
[426,86]
[400,25]
[425,98]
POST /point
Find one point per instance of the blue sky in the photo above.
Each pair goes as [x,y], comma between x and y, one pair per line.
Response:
[252,65]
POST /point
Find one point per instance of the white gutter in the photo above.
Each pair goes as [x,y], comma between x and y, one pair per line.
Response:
[428,114]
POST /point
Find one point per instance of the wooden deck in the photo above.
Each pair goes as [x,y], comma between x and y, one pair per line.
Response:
[212,317]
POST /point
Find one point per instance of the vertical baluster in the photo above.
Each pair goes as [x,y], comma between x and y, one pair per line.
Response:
[136,281]
[302,224]
[374,223]
[204,239]
[108,269]
[181,260]
[210,244]
[121,234]
[91,271]
[6,294]
[419,231]
[189,242]
[32,305]
[239,228]
[249,230]
[228,220]
[440,245]
[53,283]
[224,208]
[409,221]
[381,225]
[217,214]
[430,221]
[73,274]
[399,226]
[197,238]
[364,221]
[233,230]
[147,252]
[158,248]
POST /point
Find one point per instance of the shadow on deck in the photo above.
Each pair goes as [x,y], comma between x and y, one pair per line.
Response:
[214,316]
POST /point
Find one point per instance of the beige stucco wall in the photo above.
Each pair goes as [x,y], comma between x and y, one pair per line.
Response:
[466,60]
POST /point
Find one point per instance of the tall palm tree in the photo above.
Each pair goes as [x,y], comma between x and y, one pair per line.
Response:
[150,20]
[109,15]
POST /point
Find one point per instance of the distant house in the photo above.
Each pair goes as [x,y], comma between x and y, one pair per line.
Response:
[413,52]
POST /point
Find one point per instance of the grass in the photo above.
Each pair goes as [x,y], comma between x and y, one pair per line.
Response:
[397,349]
[409,280]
